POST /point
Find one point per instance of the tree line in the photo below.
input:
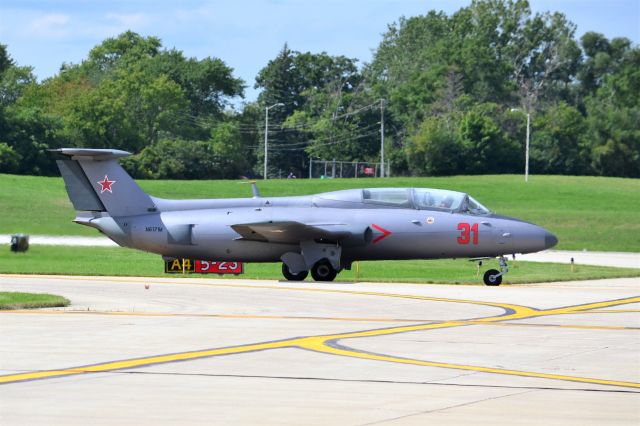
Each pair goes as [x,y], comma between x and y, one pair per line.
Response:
[455,91]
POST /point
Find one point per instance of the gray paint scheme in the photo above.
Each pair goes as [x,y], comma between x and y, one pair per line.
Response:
[80,191]
[339,227]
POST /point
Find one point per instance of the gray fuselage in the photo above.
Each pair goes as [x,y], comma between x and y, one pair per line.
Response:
[202,229]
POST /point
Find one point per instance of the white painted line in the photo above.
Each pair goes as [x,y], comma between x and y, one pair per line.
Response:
[57,240]
[597,258]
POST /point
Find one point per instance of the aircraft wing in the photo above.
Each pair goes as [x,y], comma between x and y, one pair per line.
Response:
[291,232]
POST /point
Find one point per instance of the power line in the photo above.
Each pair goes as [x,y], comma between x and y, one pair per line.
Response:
[355,131]
[313,144]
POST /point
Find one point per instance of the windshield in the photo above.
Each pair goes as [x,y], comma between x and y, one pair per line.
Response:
[424,199]
[474,207]
[400,197]
[438,199]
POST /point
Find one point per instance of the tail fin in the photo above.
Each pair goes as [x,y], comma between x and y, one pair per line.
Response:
[96,182]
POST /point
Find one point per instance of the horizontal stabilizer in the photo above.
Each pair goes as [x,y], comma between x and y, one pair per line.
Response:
[93,154]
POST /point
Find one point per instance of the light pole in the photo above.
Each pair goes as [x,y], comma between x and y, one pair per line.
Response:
[526,149]
[266,136]
[381,137]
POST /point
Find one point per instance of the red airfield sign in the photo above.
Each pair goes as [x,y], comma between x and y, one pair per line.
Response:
[188,266]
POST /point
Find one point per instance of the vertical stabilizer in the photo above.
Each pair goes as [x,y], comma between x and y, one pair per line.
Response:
[96,182]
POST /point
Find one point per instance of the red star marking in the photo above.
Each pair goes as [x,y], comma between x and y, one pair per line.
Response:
[106,184]
[385,233]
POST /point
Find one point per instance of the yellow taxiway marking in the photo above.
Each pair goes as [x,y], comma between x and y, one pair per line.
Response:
[321,346]
[608,311]
[577,326]
[324,343]
[315,343]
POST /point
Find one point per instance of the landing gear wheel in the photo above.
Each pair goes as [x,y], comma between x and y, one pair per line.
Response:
[490,277]
[300,276]
[323,271]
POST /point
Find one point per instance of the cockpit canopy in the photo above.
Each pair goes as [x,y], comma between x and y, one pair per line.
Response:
[424,199]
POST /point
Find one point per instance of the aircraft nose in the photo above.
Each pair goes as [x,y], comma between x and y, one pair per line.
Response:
[550,240]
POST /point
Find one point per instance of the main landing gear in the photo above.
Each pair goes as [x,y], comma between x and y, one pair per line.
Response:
[321,259]
[290,276]
[492,276]
[322,270]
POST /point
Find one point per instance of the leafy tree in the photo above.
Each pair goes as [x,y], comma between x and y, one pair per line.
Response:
[409,65]
[130,92]
[336,121]
[127,111]
[115,52]
[5,59]
[613,110]
[9,159]
[557,141]
[544,57]
[30,134]
[227,147]
[172,159]
[447,81]
[207,84]
[602,58]
[25,130]
[313,89]
[435,149]
[486,147]
[217,158]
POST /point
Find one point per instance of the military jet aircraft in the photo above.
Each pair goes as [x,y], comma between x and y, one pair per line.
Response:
[322,233]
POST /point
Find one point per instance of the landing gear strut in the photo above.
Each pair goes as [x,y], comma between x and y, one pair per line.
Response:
[492,276]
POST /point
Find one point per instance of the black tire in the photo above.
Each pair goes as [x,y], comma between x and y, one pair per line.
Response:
[323,271]
[490,277]
[300,276]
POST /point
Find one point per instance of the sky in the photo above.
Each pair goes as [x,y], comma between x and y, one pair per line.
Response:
[246,34]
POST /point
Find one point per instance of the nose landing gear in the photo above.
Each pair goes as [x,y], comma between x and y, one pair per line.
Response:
[493,277]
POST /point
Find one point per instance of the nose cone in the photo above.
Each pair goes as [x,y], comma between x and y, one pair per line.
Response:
[550,240]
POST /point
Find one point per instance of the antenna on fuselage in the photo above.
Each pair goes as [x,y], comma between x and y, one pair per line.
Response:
[254,187]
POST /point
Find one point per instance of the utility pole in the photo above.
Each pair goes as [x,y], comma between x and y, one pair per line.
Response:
[266,137]
[526,155]
[526,149]
[381,137]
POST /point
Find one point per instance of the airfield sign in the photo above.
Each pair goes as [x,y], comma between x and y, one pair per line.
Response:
[191,266]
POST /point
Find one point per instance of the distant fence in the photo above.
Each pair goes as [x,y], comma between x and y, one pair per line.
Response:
[344,169]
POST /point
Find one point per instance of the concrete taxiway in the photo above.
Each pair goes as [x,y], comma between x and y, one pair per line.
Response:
[203,351]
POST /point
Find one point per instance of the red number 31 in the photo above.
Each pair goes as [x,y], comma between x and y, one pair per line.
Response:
[467,233]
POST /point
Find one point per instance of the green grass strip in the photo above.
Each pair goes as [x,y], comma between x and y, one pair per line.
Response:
[117,261]
[17,300]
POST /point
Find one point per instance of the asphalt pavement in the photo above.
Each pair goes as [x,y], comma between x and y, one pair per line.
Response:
[200,351]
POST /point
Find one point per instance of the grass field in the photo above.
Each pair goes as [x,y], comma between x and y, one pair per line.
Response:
[127,262]
[592,213]
[15,300]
